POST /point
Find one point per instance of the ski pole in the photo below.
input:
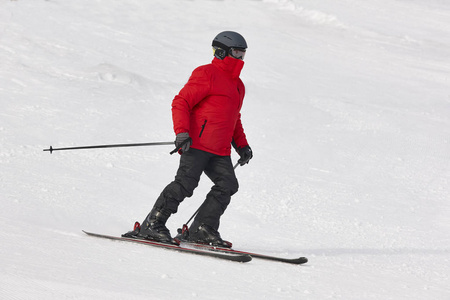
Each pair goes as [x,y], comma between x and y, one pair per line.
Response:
[51,149]
[188,140]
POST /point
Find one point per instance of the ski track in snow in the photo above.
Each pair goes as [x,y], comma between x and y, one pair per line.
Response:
[347,112]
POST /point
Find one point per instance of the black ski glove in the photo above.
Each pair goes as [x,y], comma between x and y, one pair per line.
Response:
[183,142]
[246,154]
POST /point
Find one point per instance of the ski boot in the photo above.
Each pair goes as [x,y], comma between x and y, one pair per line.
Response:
[204,234]
[153,228]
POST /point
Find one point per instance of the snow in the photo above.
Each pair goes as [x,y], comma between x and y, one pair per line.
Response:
[347,112]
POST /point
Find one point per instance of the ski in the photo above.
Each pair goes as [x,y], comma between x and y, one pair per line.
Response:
[238,257]
[296,261]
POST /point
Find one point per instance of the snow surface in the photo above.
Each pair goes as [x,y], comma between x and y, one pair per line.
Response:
[347,111]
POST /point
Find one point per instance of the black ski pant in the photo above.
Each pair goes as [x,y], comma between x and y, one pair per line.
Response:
[192,164]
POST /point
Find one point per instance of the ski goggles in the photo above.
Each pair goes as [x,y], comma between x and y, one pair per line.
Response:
[237,53]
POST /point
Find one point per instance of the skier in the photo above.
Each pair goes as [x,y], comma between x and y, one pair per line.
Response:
[207,121]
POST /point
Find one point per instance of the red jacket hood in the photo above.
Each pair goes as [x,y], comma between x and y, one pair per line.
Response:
[230,65]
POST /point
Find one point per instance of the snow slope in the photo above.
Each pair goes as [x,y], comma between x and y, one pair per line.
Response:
[347,111]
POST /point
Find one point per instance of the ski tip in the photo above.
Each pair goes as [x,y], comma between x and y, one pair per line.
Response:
[246,258]
[300,260]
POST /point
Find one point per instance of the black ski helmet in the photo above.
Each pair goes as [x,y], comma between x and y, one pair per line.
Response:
[226,40]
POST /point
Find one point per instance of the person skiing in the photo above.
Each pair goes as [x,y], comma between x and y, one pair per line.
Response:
[207,122]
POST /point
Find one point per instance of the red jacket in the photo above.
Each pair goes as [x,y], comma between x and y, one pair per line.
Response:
[208,107]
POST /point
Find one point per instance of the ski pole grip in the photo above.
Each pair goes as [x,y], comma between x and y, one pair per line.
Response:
[180,146]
